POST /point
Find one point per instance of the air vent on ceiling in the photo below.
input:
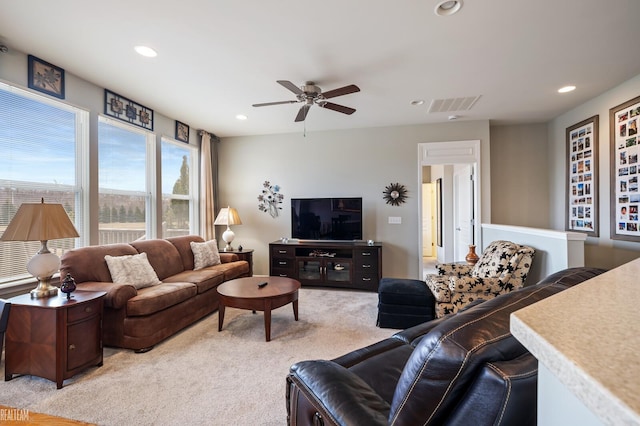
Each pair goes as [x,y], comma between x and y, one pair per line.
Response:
[453,104]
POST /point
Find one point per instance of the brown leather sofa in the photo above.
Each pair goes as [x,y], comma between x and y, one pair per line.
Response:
[140,318]
[462,369]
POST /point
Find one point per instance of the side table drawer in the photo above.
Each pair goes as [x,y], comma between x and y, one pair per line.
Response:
[83,311]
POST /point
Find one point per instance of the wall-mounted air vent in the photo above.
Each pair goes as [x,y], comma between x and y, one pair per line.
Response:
[453,104]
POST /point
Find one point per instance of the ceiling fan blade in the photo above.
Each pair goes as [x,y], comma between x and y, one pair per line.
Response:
[340,108]
[302,113]
[275,103]
[289,85]
[352,88]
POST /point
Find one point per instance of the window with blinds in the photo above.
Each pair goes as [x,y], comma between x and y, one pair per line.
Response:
[179,171]
[42,146]
[126,182]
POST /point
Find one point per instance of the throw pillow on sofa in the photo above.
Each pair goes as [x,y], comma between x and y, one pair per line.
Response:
[132,269]
[205,254]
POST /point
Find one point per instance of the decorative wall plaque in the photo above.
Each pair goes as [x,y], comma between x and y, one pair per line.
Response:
[127,110]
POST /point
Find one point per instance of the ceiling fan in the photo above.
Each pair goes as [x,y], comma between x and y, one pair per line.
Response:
[311,94]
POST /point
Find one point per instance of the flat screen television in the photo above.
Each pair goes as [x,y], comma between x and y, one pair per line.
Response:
[326,218]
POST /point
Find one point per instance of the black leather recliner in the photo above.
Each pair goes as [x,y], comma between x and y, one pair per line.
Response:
[461,369]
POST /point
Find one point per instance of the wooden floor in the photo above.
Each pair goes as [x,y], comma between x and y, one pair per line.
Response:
[19,416]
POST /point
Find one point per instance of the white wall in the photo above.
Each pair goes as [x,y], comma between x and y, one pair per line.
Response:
[357,162]
[600,251]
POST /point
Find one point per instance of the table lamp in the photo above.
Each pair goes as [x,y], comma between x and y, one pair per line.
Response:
[41,222]
[228,216]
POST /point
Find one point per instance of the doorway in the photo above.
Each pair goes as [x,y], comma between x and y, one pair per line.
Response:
[456,165]
[462,210]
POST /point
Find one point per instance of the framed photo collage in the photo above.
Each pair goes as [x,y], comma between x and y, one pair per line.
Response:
[582,171]
[625,170]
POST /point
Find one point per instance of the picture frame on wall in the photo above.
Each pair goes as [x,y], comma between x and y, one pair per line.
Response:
[624,121]
[582,214]
[45,77]
[182,132]
[125,109]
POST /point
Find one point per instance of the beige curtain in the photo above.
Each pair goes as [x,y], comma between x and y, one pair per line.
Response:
[207,199]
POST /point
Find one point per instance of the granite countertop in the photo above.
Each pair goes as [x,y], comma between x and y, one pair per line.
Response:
[588,336]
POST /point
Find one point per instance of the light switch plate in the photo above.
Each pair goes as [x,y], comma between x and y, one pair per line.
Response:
[395,220]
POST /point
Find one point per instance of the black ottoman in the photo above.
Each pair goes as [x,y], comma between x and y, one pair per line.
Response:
[403,303]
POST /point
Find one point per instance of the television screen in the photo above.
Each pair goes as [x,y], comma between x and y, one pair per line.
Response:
[326,218]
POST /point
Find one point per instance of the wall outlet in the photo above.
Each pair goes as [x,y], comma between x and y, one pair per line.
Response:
[395,220]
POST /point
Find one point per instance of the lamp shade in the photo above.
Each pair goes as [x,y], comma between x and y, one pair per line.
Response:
[39,222]
[228,216]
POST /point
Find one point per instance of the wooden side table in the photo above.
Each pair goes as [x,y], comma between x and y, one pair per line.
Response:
[53,337]
[245,254]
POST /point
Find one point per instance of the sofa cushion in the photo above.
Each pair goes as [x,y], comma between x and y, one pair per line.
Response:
[182,243]
[88,264]
[132,269]
[232,270]
[204,279]
[163,256]
[156,298]
[205,254]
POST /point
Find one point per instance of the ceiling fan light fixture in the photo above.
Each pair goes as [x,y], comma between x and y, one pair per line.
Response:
[310,95]
[448,7]
[146,51]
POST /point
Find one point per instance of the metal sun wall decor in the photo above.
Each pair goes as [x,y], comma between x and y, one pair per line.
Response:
[270,199]
[395,194]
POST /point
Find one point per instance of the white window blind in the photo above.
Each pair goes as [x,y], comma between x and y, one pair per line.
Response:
[41,151]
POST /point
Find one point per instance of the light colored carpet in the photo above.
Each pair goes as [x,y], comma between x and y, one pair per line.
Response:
[205,377]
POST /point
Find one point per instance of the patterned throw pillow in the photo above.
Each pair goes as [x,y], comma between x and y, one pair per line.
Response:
[205,254]
[133,269]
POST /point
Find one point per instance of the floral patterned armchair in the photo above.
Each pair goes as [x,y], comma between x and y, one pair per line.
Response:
[502,267]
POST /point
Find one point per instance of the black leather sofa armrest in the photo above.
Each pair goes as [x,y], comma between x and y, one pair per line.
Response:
[332,395]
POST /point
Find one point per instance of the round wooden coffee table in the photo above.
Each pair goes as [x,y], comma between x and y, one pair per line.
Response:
[245,293]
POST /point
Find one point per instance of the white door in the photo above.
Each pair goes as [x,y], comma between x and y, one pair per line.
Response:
[463,208]
[427,220]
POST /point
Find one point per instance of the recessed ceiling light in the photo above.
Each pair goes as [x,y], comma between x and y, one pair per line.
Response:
[241,117]
[417,102]
[146,51]
[448,7]
[566,89]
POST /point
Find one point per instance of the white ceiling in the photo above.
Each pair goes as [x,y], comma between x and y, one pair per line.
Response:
[216,58]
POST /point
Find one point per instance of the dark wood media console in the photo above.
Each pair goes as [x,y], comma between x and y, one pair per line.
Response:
[354,265]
